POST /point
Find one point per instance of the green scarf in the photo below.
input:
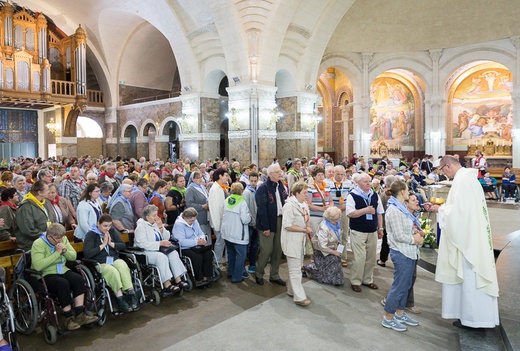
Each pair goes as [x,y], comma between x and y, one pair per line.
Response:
[233,200]
[295,172]
[181,191]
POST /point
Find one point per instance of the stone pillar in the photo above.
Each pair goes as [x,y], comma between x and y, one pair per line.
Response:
[252,125]
[111,133]
[362,124]
[212,115]
[296,130]
[344,125]
[152,147]
[515,96]
[435,115]
[190,122]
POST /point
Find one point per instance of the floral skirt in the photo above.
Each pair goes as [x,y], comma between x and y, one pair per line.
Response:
[325,269]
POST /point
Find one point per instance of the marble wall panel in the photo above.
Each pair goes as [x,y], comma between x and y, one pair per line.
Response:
[241,150]
[189,149]
[290,122]
[90,146]
[210,112]
[266,151]
[208,150]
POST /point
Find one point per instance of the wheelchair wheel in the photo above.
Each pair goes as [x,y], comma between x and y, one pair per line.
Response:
[102,315]
[25,306]
[90,295]
[156,298]
[190,284]
[51,334]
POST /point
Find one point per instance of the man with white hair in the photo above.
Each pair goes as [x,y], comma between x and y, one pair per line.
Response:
[365,210]
[205,175]
[270,198]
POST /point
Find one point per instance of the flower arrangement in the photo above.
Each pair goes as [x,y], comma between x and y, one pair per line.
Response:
[429,235]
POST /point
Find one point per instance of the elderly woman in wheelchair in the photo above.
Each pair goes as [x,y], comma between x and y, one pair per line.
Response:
[103,245]
[151,236]
[49,254]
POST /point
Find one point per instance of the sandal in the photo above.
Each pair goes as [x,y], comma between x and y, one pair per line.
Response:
[356,288]
[183,285]
[372,286]
[381,263]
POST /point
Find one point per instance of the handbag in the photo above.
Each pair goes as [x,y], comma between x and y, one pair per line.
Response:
[168,249]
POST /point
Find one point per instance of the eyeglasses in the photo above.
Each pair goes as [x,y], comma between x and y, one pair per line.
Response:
[440,169]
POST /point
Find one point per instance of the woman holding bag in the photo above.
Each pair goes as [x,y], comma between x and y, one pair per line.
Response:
[295,228]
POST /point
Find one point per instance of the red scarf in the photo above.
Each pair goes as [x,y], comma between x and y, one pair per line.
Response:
[7,203]
[105,174]
[477,161]
[180,169]
[56,200]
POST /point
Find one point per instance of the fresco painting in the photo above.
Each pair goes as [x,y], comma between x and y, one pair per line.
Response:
[392,116]
[482,108]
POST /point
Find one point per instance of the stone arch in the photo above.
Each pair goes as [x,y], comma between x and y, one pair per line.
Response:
[96,128]
[212,81]
[348,67]
[462,57]
[419,66]
[70,123]
[145,126]
[285,82]
[163,127]
[129,140]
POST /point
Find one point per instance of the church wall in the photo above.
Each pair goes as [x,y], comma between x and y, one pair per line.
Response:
[137,115]
[128,94]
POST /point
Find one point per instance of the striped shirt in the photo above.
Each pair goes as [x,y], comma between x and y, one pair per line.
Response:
[399,230]
[317,199]
[339,190]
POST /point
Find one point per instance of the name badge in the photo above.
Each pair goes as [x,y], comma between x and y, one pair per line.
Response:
[110,260]
[59,268]
[369,216]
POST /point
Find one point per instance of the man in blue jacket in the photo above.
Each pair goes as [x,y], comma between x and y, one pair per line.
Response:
[270,198]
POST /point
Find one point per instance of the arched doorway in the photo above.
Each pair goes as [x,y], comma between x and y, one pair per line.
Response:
[172,130]
[150,132]
[130,141]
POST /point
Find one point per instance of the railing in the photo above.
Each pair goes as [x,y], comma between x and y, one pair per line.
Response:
[61,87]
[95,96]
[153,98]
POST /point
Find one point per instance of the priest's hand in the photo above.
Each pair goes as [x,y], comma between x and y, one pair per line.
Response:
[428,206]
[418,239]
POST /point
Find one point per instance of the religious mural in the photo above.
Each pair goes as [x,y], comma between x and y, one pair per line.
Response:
[392,116]
[482,108]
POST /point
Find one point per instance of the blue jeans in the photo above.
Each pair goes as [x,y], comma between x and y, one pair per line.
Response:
[403,272]
[252,250]
[236,259]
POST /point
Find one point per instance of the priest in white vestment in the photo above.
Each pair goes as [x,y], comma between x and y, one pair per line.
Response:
[466,263]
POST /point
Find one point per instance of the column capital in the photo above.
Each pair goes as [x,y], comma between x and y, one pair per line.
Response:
[515,94]
[366,57]
[516,42]
[366,102]
[435,54]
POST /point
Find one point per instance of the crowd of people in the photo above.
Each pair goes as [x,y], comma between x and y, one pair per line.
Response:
[306,207]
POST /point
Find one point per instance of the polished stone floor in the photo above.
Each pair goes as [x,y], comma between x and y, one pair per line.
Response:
[247,316]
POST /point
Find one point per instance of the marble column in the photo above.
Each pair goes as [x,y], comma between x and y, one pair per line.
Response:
[190,122]
[252,124]
[296,129]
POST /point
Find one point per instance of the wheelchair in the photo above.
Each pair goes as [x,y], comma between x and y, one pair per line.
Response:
[100,290]
[503,198]
[189,267]
[149,275]
[33,303]
[7,320]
